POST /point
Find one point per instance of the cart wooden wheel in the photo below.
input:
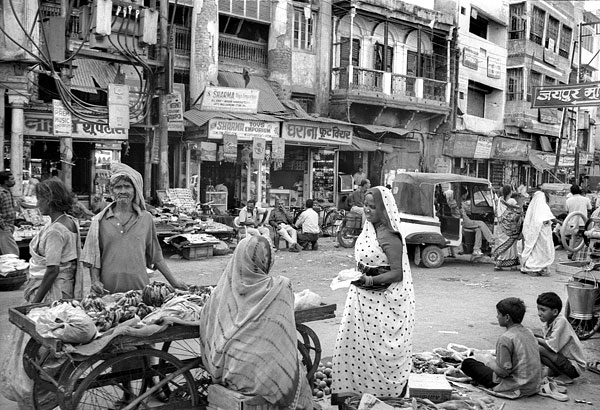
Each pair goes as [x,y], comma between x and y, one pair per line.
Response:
[310,350]
[187,350]
[118,381]
[43,391]
[570,227]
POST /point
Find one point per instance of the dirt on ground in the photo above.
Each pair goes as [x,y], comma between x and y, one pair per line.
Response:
[455,304]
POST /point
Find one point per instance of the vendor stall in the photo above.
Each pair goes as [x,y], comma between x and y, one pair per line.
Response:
[121,364]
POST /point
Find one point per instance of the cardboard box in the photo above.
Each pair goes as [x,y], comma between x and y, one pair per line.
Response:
[434,387]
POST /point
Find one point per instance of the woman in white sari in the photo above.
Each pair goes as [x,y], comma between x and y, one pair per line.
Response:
[538,247]
[374,343]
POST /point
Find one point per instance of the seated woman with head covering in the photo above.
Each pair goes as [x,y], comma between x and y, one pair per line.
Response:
[248,336]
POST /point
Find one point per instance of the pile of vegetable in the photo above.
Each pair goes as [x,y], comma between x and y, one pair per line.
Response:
[322,380]
[154,303]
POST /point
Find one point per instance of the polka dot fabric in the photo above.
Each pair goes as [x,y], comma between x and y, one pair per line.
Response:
[373,348]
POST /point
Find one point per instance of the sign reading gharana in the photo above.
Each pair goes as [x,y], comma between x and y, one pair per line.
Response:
[230,100]
[244,130]
[41,124]
[317,133]
[574,95]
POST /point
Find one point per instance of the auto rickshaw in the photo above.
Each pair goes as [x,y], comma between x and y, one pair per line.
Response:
[429,225]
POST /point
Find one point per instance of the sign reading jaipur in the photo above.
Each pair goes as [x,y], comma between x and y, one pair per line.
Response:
[244,130]
[575,95]
[317,133]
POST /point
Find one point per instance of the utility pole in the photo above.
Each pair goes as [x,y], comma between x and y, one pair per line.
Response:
[163,123]
[577,112]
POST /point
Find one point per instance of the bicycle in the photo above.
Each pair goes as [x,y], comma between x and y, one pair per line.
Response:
[328,224]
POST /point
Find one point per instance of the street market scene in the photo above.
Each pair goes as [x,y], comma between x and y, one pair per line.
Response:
[299,204]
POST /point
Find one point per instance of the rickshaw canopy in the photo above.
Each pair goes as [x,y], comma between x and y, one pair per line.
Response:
[416,190]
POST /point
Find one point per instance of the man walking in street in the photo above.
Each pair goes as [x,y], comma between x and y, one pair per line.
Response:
[122,242]
[577,203]
[282,221]
[8,215]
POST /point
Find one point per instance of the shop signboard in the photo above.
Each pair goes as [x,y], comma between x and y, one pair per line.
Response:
[278,149]
[258,148]
[175,110]
[63,124]
[460,145]
[483,149]
[510,149]
[559,96]
[471,58]
[244,130]
[230,100]
[230,146]
[208,151]
[42,124]
[155,150]
[493,67]
[318,133]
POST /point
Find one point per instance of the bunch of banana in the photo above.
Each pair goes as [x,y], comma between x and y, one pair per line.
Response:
[200,289]
[101,319]
[155,293]
[143,310]
[72,302]
[130,298]
[115,315]
[93,303]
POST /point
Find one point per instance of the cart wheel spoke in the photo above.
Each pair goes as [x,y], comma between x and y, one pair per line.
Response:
[309,347]
[123,378]
[186,350]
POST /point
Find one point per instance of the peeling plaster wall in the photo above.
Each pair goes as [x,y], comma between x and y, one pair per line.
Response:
[204,53]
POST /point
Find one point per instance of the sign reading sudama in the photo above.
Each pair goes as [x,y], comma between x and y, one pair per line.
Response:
[244,130]
[558,96]
[230,100]
[317,133]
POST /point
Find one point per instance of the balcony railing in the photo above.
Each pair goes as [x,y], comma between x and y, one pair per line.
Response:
[388,83]
[182,38]
[240,51]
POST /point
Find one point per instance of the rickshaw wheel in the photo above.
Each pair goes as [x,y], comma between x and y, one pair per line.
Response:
[186,350]
[432,256]
[584,328]
[34,353]
[329,226]
[565,229]
[344,236]
[131,374]
[310,350]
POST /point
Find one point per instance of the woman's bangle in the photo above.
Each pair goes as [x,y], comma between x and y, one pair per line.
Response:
[368,281]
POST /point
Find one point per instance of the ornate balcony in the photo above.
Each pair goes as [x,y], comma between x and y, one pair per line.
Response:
[233,50]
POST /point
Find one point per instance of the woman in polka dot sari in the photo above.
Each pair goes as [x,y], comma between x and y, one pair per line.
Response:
[373,348]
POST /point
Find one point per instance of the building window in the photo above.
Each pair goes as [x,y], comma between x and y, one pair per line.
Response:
[306,101]
[538,21]
[478,25]
[587,39]
[345,52]
[549,80]
[476,102]
[566,34]
[514,84]
[535,80]
[304,24]
[517,21]
[389,58]
[552,33]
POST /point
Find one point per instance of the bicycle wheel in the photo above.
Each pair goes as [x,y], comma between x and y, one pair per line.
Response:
[121,379]
[187,350]
[329,226]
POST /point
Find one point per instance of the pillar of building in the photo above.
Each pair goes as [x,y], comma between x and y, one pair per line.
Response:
[17,101]
[280,48]
[204,53]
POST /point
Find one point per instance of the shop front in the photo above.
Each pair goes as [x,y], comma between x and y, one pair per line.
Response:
[94,148]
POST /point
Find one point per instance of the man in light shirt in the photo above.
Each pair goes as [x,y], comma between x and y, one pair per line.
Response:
[253,218]
[309,222]
[577,203]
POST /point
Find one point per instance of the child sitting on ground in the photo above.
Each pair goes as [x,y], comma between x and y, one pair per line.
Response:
[560,348]
[516,370]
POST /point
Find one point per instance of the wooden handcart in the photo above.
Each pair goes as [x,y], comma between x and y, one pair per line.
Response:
[162,371]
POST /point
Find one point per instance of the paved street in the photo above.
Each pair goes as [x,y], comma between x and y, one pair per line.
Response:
[455,303]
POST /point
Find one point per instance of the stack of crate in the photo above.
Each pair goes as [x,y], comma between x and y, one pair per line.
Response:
[221,398]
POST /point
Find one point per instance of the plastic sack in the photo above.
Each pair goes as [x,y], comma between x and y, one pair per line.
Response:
[344,278]
[15,385]
[67,323]
[306,300]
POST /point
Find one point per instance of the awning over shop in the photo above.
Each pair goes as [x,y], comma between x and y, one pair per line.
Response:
[361,144]
[88,75]
[538,162]
[267,102]
[380,129]
[199,118]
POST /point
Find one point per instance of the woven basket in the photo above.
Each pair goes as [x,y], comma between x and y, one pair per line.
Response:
[352,403]
[13,280]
